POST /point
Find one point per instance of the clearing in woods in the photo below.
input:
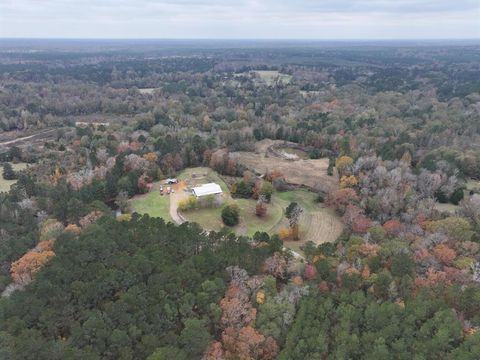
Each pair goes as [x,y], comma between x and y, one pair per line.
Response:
[210,218]
[311,173]
[152,203]
[318,223]
[271,77]
[6,184]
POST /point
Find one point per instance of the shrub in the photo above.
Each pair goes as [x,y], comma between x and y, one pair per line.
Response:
[188,204]
[377,233]
[284,233]
[457,196]
[8,172]
[230,215]
[267,190]
[320,198]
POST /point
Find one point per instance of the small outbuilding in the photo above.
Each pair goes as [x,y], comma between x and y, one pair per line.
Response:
[207,189]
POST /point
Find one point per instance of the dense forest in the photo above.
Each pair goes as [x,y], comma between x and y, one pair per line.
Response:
[97,123]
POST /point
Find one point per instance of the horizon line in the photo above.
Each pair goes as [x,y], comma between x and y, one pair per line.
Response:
[239,38]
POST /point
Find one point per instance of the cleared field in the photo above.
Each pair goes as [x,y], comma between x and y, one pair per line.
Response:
[6,184]
[152,204]
[251,223]
[322,226]
[147,90]
[270,77]
[317,223]
[308,172]
[295,152]
[305,198]
[210,219]
[451,208]
[473,185]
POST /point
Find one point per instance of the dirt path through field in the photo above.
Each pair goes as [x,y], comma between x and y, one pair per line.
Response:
[175,198]
[10,142]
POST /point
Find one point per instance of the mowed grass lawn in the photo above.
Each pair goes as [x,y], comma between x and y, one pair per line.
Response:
[152,204]
[6,184]
[306,199]
[211,219]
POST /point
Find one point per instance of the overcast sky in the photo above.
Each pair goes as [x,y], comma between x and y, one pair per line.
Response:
[285,19]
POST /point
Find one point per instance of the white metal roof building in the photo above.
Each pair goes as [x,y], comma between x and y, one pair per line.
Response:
[207,189]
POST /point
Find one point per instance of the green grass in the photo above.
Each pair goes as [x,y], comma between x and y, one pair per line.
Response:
[305,198]
[251,223]
[6,184]
[473,185]
[300,153]
[210,219]
[153,204]
[451,208]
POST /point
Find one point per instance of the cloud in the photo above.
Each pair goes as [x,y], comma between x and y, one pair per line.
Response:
[241,18]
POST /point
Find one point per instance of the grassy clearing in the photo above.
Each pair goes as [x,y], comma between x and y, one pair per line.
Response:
[299,153]
[451,208]
[251,223]
[147,90]
[272,76]
[6,184]
[209,219]
[473,185]
[317,224]
[306,199]
[152,204]
[310,172]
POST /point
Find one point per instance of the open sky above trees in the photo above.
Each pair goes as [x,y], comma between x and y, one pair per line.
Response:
[285,19]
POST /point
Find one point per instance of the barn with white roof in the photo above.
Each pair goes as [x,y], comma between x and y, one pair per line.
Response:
[207,189]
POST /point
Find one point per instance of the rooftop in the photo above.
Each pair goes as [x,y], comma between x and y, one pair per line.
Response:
[207,189]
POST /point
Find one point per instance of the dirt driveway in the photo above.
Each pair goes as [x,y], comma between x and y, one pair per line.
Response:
[175,198]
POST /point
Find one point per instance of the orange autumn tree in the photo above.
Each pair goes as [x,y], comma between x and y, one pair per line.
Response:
[73,228]
[23,269]
[343,163]
[247,343]
[444,253]
[151,157]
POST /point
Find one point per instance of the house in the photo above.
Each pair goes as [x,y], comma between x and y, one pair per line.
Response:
[207,189]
